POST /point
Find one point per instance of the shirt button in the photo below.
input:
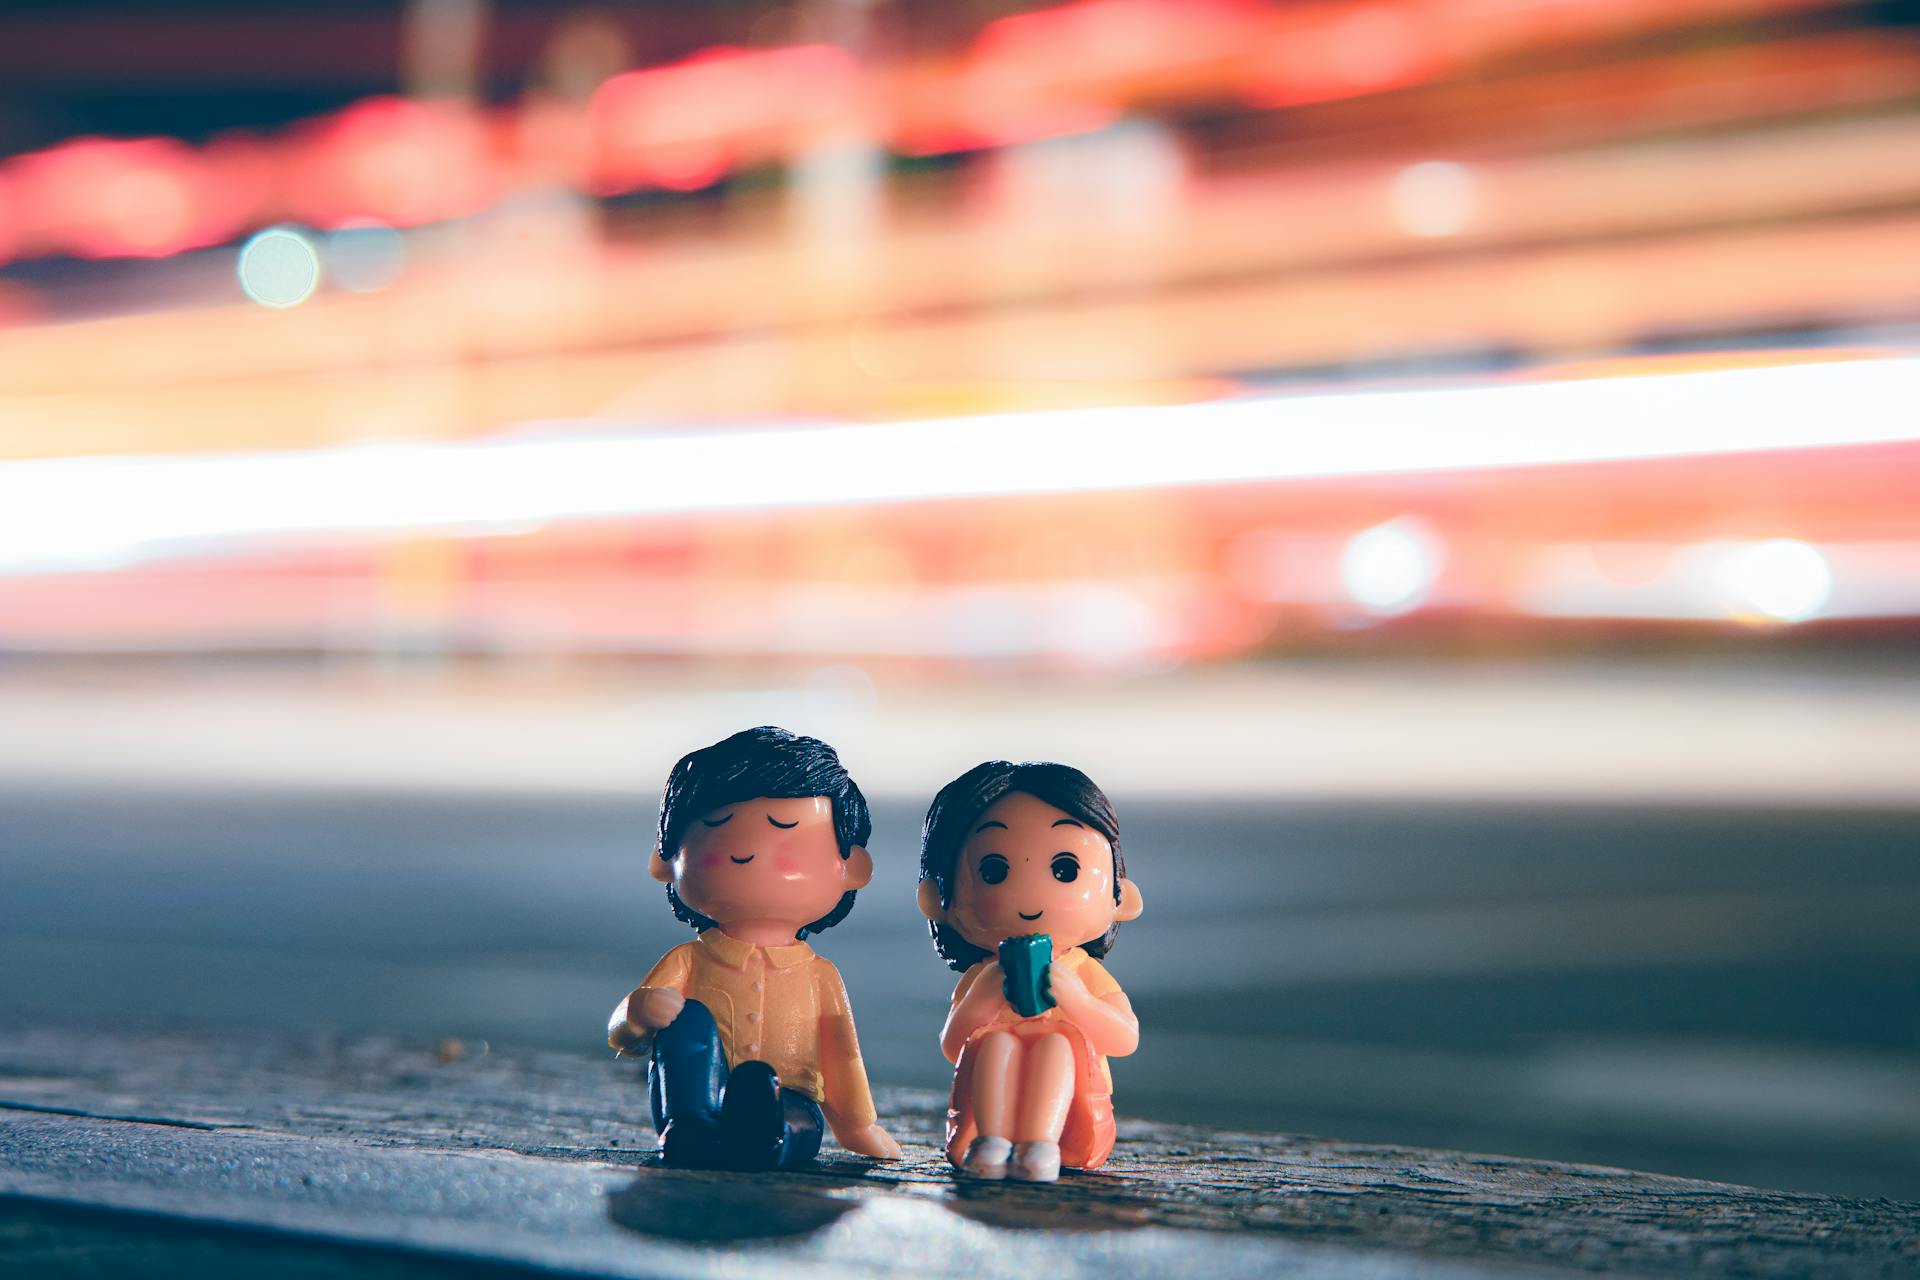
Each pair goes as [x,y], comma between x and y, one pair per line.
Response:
[754,1047]
[754,1016]
[757,984]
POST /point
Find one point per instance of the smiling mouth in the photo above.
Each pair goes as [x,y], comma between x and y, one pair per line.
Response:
[740,861]
[1035,916]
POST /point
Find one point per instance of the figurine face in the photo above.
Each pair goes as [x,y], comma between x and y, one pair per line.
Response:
[764,865]
[1028,867]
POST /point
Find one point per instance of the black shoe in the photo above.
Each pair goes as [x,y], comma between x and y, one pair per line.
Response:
[688,1144]
[753,1129]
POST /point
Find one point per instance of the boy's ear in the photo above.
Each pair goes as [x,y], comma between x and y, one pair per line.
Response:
[1131,903]
[930,900]
[659,868]
[858,866]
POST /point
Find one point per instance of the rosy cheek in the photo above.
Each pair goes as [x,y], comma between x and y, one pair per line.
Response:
[1081,897]
[713,861]
[786,866]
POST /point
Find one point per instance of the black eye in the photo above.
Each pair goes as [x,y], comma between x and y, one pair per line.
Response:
[1066,868]
[993,868]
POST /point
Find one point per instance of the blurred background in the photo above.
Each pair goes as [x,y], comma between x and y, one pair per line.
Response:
[1450,468]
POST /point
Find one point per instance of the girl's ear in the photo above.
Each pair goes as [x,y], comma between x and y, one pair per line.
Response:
[930,901]
[858,866]
[659,868]
[1131,903]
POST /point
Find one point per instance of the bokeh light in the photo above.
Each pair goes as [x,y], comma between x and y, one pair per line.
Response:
[1433,198]
[279,268]
[1780,580]
[1391,567]
[364,256]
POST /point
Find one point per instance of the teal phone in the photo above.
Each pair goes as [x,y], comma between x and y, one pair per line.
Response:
[1023,969]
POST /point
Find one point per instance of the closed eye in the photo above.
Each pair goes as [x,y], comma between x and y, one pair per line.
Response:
[717,822]
[782,825]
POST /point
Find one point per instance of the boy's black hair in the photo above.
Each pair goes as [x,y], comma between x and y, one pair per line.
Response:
[769,762]
[957,808]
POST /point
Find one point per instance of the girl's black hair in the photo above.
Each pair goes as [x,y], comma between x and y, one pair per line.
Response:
[767,762]
[957,809]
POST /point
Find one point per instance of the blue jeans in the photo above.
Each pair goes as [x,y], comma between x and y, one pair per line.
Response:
[687,1079]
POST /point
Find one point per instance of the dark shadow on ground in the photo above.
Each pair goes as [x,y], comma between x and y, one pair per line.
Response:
[1078,1202]
[730,1208]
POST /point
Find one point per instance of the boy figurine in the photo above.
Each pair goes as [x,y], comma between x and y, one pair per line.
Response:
[762,842]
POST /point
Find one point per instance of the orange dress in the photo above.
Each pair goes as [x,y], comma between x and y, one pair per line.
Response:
[1087,1139]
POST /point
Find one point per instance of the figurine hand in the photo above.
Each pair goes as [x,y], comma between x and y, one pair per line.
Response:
[1067,988]
[655,1009]
[872,1141]
[985,1000]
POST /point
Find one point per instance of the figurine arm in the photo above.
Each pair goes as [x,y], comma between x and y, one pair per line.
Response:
[845,1097]
[652,1005]
[1106,1019]
[977,1001]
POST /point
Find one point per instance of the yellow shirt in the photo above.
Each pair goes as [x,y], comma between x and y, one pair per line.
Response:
[784,1006]
[1090,971]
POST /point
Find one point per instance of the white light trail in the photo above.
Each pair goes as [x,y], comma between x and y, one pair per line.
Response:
[102,512]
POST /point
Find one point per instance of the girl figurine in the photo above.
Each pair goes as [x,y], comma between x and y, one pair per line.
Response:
[1019,861]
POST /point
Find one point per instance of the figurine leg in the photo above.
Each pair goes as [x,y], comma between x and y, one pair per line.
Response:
[1045,1095]
[996,1084]
[764,1125]
[685,1078]
[1046,1091]
[804,1126]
